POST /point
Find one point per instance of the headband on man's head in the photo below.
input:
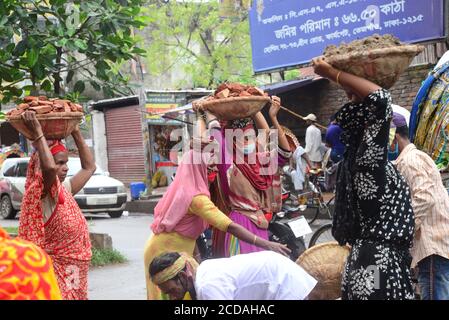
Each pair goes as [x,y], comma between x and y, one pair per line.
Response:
[170,272]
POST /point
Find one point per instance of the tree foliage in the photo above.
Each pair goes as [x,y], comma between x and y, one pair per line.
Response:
[193,37]
[47,44]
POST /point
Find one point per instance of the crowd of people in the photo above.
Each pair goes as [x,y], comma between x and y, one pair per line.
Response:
[391,207]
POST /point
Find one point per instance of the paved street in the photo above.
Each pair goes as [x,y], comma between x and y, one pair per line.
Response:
[129,234]
[126,281]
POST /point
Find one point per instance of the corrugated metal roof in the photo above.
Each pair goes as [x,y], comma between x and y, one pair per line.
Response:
[281,87]
[115,103]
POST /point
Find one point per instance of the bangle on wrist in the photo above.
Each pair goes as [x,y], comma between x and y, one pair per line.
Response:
[254,241]
[338,78]
[38,138]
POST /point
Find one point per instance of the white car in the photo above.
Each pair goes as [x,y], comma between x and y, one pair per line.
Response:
[100,194]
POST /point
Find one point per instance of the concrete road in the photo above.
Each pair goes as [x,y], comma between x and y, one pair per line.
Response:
[126,281]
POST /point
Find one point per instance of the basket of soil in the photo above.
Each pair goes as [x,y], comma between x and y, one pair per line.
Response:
[233,101]
[57,117]
[380,59]
[325,262]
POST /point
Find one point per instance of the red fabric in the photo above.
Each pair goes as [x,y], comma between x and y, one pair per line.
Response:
[65,236]
[57,147]
[252,171]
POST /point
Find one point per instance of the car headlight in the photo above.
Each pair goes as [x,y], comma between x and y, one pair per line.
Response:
[121,189]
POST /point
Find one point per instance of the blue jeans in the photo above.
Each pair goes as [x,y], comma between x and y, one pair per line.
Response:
[433,278]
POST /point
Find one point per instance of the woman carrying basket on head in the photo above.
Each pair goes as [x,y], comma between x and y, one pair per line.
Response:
[249,184]
[50,216]
[373,210]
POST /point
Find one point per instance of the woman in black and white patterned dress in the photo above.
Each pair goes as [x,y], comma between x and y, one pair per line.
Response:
[373,210]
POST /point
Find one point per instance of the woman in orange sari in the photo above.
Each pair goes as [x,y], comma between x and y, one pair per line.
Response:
[50,216]
[26,271]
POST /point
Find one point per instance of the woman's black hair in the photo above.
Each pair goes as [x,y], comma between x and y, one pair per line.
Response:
[162,262]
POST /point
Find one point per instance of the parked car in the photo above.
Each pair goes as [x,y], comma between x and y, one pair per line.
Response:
[100,194]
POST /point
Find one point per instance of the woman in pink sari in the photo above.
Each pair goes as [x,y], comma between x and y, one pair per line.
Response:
[50,216]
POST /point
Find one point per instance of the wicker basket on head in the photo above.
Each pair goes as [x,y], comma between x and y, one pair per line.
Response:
[325,262]
[235,107]
[55,126]
[382,66]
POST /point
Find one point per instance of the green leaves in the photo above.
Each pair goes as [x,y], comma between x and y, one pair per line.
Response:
[33,55]
[70,75]
[194,38]
[46,85]
[95,85]
[79,86]
[80,44]
[71,39]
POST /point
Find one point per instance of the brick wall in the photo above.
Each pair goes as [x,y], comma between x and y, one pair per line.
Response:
[324,98]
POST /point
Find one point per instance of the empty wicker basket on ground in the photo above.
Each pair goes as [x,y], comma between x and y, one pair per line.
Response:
[382,66]
[325,262]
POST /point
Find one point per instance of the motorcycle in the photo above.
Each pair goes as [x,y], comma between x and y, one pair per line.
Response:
[280,231]
[204,244]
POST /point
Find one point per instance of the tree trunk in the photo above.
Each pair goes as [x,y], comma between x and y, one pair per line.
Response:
[57,75]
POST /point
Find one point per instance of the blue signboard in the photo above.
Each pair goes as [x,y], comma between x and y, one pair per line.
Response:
[291,32]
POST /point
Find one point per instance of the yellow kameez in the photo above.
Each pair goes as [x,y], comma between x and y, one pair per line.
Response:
[201,206]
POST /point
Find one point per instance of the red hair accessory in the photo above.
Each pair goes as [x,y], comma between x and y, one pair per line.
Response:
[57,147]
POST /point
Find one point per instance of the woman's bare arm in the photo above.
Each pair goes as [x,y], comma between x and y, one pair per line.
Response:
[88,166]
[357,85]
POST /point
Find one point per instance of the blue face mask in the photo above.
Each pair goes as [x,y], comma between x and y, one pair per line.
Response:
[393,155]
[248,149]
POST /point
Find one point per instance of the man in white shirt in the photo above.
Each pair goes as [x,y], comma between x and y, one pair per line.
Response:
[313,141]
[263,275]
[301,161]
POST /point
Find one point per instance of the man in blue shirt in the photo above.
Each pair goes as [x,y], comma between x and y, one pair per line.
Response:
[333,141]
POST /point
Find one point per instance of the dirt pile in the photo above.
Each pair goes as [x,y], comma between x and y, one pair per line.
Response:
[369,43]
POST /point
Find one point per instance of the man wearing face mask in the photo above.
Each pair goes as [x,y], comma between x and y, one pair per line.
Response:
[430,203]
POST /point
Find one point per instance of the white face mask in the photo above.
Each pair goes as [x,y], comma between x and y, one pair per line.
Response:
[248,149]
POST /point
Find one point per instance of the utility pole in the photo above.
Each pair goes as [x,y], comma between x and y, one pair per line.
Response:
[146,140]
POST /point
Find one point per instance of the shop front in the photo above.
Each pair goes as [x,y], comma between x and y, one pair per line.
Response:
[168,130]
